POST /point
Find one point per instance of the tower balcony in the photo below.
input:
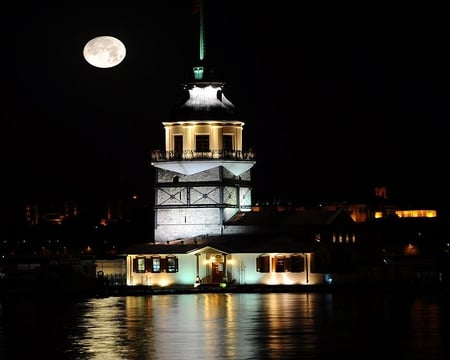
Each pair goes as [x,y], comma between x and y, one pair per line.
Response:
[186,155]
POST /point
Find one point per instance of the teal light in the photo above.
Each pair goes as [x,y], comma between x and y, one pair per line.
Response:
[198,73]
[198,70]
[202,33]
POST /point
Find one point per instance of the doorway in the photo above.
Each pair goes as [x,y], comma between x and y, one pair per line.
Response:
[216,272]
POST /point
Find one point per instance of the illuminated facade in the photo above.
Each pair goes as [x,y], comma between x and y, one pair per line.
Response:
[257,248]
[228,260]
[203,174]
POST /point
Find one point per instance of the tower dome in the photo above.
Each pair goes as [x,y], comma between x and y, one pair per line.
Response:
[203,100]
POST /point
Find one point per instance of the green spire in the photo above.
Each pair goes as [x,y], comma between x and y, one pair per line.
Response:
[202,33]
[198,70]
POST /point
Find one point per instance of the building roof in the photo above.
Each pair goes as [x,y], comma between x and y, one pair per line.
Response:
[312,217]
[260,243]
[242,243]
[203,100]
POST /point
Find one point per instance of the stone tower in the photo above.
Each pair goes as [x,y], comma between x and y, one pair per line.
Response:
[203,175]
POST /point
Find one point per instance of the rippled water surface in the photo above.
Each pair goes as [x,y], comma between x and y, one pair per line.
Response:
[227,326]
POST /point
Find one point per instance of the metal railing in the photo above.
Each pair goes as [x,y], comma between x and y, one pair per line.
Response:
[159,155]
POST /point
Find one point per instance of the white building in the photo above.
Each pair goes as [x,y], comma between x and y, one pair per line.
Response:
[239,260]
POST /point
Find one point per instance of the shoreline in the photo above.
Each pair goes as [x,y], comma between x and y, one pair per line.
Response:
[394,288]
[125,290]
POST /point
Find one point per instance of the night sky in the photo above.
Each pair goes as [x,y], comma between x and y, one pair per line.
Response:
[337,99]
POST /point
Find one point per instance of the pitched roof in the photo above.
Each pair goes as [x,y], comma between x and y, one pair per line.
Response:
[283,218]
[243,243]
[151,248]
[260,243]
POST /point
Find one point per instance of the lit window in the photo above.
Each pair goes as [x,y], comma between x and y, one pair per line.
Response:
[156,264]
[172,264]
[139,265]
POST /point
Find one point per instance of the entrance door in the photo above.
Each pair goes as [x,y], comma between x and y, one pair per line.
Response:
[217,272]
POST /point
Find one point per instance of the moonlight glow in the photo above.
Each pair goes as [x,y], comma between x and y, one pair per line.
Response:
[104,51]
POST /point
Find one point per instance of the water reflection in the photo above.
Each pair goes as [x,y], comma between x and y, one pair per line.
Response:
[227,326]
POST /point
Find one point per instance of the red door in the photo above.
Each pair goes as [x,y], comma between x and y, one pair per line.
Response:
[217,272]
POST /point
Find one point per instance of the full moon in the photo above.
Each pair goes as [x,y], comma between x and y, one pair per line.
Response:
[104,51]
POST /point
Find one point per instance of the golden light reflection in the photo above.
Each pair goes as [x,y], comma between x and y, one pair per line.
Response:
[102,328]
[301,314]
[256,326]
[201,326]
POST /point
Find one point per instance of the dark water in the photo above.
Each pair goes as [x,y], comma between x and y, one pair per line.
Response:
[228,326]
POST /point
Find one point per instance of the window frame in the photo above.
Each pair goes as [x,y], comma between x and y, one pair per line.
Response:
[155,266]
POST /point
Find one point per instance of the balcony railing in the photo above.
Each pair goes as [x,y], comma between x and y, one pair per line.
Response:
[159,155]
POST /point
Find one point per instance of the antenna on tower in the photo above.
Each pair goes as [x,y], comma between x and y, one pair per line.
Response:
[198,7]
[202,33]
